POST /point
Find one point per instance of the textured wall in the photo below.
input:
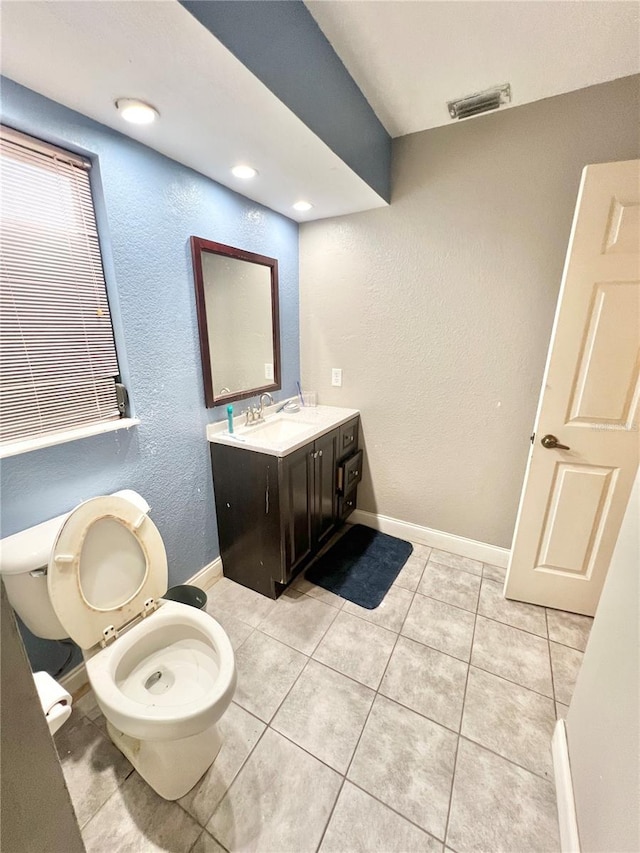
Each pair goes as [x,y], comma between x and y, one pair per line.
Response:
[439,308]
[151,206]
[36,812]
[602,723]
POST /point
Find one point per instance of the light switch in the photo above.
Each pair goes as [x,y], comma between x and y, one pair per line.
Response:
[268,371]
[336,376]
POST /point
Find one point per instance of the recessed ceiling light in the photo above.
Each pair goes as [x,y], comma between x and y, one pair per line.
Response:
[136,112]
[244,172]
[302,206]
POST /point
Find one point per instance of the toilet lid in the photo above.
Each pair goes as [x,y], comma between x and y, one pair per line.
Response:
[107,560]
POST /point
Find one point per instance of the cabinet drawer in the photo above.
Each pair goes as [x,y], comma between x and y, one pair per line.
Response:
[347,504]
[350,473]
[348,438]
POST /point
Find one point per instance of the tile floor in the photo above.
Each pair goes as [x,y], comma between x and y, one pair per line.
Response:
[423,725]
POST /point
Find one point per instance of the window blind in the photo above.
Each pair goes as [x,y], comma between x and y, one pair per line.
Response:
[58,362]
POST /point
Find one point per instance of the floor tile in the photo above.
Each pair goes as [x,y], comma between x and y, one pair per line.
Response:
[89,708]
[235,629]
[361,824]
[451,586]
[494,573]
[93,767]
[389,614]
[441,626]
[356,648]
[303,585]
[570,629]
[298,620]
[427,681]
[510,720]
[454,561]
[561,711]
[206,844]
[238,601]
[512,654]
[527,617]
[420,550]
[325,713]
[136,818]
[280,801]
[266,672]
[240,732]
[565,663]
[407,762]
[411,573]
[500,808]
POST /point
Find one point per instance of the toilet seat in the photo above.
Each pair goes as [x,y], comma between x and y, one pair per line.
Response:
[107,566]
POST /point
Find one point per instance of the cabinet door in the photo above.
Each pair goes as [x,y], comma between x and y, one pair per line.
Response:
[325,495]
[297,508]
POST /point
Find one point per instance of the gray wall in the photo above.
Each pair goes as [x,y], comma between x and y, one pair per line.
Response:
[603,721]
[36,812]
[439,308]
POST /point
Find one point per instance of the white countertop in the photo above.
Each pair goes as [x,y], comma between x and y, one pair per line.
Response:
[282,432]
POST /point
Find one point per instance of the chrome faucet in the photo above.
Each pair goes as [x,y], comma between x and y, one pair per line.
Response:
[255,414]
[262,396]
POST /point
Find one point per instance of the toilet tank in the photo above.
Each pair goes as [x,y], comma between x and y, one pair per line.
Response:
[24,559]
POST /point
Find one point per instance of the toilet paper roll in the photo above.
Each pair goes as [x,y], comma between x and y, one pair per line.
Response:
[58,716]
[51,693]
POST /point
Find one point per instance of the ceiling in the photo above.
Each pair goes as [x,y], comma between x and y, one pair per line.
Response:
[214,112]
[408,57]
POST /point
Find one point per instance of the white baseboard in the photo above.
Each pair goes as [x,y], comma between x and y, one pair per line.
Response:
[434,538]
[207,576]
[76,678]
[567,819]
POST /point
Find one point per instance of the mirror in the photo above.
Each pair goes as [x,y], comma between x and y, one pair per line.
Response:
[238,323]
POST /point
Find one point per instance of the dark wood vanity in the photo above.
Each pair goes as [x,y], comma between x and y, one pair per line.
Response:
[276,512]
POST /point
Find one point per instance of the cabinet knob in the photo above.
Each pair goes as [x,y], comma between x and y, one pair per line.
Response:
[319,453]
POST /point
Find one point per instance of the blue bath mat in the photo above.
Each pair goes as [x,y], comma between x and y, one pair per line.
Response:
[361,566]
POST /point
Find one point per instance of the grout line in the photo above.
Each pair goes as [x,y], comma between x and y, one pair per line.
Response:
[464,699]
[362,730]
[553,682]
[395,811]
[535,773]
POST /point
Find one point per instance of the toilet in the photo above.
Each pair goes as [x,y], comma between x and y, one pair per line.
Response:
[162,672]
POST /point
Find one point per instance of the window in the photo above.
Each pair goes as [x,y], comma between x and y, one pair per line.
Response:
[58,361]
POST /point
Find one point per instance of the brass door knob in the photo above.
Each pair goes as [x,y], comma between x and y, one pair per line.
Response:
[551,443]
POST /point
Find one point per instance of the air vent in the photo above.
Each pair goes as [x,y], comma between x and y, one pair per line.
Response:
[480,102]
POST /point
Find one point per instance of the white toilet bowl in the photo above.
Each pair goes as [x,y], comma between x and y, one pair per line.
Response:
[162,687]
[163,673]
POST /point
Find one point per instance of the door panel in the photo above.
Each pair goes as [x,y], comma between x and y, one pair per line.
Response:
[573,499]
[326,497]
[297,509]
[601,394]
[570,535]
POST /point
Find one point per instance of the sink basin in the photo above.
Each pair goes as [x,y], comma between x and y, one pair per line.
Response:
[282,432]
[275,431]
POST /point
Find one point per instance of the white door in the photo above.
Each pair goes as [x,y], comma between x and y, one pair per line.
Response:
[574,497]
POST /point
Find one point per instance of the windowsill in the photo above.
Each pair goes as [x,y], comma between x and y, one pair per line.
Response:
[13,448]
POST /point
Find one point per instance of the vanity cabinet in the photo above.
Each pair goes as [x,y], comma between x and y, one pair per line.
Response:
[275,513]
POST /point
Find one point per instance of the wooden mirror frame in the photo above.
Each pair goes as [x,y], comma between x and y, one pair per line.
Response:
[198,246]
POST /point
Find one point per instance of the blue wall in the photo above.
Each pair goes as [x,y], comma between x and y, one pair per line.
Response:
[148,206]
